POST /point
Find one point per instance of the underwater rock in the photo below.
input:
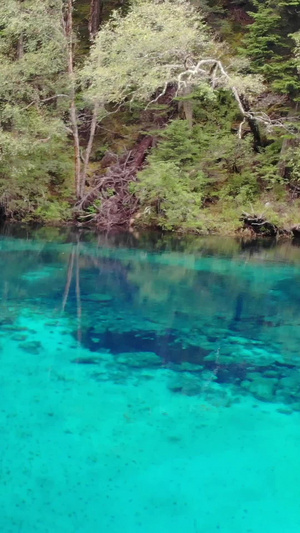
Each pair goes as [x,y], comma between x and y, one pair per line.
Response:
[290,384]
[101,375]
[139,359]
[254,376]
[259,357]
[263,389]
[166,345]
[97,298]
[245,384]
[19,337]
[284,411]
[271,374]
[208,376]
[217,396]
[185,366]
[187,384]
[282,396]
[296,406]
[6,321]
[86,361]
[32,347]
[117,376]
[221,359]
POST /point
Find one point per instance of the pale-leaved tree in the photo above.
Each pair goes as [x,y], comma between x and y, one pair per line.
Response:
[136,58]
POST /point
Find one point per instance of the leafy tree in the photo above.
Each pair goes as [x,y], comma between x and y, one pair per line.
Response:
[32,72]
[135,55]
[155,45]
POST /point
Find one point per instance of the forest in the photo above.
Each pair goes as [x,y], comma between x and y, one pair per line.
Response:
[172,114]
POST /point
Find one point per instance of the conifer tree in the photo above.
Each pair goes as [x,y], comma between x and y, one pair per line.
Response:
[269,43]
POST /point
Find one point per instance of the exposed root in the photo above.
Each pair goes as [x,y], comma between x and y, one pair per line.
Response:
[260,225]
[111,203]
[116,203]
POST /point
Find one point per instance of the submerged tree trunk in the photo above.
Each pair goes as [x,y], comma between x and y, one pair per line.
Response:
[69,280]
[95,17]
[74,264]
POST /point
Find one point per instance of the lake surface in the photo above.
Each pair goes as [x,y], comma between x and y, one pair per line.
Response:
[149,384]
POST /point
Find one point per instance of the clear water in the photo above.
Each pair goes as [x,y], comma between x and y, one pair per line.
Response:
[148,384]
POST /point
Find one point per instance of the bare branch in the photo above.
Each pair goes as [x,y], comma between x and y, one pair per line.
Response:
[218,76]
[163,92]
[45,100]
[241,128]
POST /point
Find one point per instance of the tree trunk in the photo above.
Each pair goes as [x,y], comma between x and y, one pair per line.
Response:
[254,127]
[187,106]
[95,17]
[69,280]
[68,27]
[20,47]
[89,149]
[20,44]
[94,23]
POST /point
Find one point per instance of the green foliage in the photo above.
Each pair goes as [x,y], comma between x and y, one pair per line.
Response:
[199,174]
[169,197]
[269,43]
[32,50]
[135,55]
[169,189]
[53,211]
[292,160]
[193,168]
[296,37]
[33,140]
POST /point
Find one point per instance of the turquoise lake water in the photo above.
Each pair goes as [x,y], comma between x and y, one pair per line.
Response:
[149,384]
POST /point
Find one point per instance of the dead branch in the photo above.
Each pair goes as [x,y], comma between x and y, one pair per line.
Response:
[214,72]
[110,202]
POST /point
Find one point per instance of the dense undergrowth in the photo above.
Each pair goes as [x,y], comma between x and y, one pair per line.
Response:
[207,162]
